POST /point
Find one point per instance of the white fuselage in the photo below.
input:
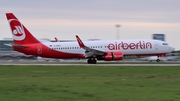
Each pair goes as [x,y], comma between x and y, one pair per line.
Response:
[127,47]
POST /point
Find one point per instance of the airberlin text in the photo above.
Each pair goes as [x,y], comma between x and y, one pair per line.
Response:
[132,45]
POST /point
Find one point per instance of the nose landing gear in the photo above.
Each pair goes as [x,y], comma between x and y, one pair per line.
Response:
[158,60]
[159,56]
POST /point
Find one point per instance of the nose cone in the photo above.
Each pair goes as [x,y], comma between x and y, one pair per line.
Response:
[171,48]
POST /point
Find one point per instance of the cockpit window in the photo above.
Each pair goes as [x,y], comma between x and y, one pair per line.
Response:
[165,44]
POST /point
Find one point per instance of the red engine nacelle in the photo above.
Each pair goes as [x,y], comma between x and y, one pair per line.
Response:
[113,56]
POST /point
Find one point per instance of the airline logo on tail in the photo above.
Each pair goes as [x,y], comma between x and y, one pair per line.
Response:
[17,30]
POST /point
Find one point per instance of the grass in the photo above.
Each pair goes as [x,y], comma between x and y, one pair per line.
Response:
[89,83]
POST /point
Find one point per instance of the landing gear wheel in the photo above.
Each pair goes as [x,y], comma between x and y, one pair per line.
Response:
[91,61]
[158,60]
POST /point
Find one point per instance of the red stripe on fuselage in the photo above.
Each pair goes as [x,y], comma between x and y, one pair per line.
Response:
[41,50]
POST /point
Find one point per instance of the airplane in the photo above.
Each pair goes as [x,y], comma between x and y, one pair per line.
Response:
[107,50]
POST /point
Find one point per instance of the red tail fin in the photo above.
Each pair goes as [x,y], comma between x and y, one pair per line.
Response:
[19,32]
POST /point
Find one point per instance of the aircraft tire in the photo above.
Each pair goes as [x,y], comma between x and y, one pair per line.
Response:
[91,61]
[158,60]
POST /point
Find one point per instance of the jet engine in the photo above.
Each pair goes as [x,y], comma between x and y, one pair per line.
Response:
[109,56]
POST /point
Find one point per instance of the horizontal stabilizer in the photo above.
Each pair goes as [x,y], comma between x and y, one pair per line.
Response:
[8,45]
[16,45]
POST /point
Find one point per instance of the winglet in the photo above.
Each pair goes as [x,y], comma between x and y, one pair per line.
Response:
[56,39]
[81,44]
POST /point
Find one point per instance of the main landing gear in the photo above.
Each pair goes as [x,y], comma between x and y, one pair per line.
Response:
[91,61]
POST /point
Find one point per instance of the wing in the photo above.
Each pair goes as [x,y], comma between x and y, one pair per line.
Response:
[89,52]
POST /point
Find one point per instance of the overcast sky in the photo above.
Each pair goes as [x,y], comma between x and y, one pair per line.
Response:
[89,19]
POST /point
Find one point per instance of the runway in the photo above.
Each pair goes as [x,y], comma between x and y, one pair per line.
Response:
[85,64]
[98,64]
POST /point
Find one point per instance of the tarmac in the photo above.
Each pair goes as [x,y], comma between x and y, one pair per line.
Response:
[56,63]
[98,64]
